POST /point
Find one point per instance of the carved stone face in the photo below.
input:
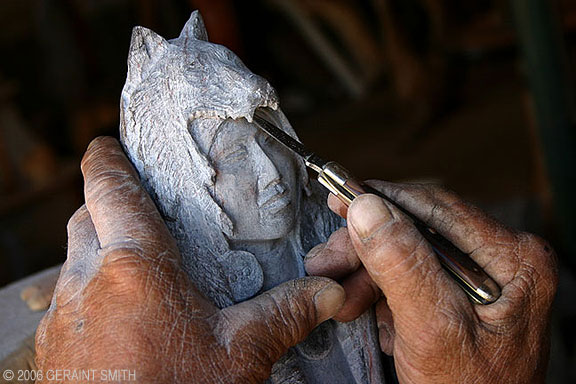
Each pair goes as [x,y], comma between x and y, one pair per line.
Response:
[256,181]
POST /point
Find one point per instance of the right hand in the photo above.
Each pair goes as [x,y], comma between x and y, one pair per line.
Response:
[436,334]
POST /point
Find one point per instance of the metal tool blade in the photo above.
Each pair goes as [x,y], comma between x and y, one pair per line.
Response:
[311,159]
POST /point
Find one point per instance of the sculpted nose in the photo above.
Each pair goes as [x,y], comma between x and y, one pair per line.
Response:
[267,171]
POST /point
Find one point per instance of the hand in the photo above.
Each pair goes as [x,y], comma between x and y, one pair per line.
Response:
[436,334]
[123,301]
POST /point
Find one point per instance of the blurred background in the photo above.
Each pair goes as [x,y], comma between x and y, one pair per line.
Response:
[476,95]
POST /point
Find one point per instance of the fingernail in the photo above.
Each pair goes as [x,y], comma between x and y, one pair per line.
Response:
[312,263]
[314,267]
[336,205]
[386,338]
[328,301]
[367,214]
[314,252]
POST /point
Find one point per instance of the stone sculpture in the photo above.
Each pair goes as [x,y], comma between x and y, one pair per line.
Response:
[240,206]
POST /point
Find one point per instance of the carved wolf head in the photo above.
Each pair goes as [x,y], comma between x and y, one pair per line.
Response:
[204,79]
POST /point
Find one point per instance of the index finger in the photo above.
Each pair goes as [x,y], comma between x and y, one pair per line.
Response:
[439,208]
[135,244]
[467,227]
[122,212]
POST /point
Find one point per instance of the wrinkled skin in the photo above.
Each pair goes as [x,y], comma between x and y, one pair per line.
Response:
[123,301]
[426,322]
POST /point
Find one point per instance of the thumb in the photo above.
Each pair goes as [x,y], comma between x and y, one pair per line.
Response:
[282,317]
[399,260]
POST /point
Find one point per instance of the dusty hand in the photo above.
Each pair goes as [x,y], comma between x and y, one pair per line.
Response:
[426,321]
[123,302]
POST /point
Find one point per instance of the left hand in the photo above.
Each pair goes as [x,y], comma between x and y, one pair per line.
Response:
[123,300]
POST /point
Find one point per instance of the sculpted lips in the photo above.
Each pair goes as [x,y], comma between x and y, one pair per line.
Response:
[274,197]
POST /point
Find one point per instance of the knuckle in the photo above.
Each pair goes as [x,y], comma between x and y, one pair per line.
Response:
[267,326]
[351,260]
[438,190]
[403,252]
[69,286]
[110,181]
[539,253]
[440,194]
[107,172]
[385,231]
[42,339]
[379,185]
[77,219]
[388,241]
[536,245]
[249,339]
[139,268]
[283,323]
[399,234]
[316,251]
[341,234]
[341,245]
[289,313]
[294,311]
[125,269]
[444,200]
[123,249]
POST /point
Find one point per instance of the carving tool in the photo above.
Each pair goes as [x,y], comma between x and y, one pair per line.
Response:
[479,286]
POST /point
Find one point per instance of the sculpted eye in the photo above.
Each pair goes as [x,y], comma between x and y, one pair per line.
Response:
[267,139]
[233,157]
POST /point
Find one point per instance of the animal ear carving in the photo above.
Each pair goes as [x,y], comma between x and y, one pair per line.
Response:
[194,29]
[145,47]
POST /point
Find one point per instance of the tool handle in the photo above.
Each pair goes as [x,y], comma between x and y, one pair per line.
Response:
[469,275]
